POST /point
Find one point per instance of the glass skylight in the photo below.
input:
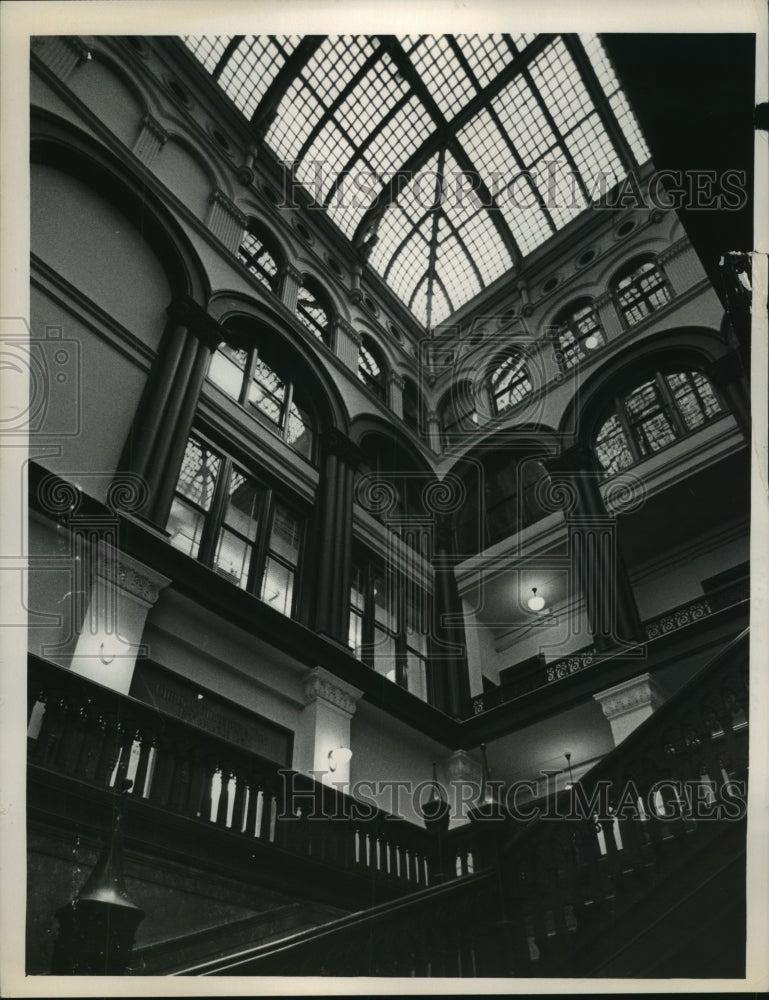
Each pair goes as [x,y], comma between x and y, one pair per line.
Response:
[525,143]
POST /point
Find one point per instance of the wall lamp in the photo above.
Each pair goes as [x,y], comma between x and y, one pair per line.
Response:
[536,602]
[342,755]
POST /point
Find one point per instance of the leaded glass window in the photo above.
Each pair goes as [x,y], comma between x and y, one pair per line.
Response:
[510,383]
[640,290]
[579,333]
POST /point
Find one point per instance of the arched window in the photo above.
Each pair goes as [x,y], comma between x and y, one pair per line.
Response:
[264,383]
[228,519]
[659,411]
[371,369]
[640,289]
[509,383]
[579,332]
[457,413]
[259,254]
[313,310]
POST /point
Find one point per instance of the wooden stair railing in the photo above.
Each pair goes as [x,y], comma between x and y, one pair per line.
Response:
[654,810]
[91,737]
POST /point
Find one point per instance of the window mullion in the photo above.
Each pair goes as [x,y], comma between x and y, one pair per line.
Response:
[627,430]
[261,544]
[216,513]
[670,406]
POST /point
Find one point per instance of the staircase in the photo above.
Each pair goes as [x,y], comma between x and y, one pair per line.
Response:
[648,881]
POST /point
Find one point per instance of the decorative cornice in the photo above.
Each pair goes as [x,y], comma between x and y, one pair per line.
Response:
[678,619]
[324,686]
[639,692]
[569,665]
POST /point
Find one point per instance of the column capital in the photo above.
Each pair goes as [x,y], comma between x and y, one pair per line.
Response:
[334,442]
[641,692]
[198,321]
[349,330]
[153,126]
[294,274]
[130,576]
[397,380]
[322,685]
[218,197]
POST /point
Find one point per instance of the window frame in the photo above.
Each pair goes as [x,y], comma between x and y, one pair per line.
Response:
[250,261]
[312,287]
[400,587]
[377,385]
[507,360]
[280,429]
[564,322]
[460,418]
[667,405]
[642,298]
[215,524]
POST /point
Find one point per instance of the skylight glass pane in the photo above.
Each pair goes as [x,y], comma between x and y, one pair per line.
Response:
[608,80]
[296,115]
[208,50]
[419,303]
[403,134]
[524,121]
[332,151]
[558,187]
[561,86]
[392,230]
[525,218]
[454,267]
[441,307]
[485,54]
[483,242]
[249,72]
[411,263]
[458,201]
[488,149]
[594,155]
[371,100]
[352,198]
[442,74]
[334,64]
[422,192]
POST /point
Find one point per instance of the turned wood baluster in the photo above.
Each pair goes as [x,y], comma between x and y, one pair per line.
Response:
[163,776]
[145,738]
[110,750]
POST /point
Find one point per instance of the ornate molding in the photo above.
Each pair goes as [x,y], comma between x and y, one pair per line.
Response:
[129,575]
[155,129]
[678,619]
[569,665]
[321,685]
[349,331]
[640,692]
[294,274]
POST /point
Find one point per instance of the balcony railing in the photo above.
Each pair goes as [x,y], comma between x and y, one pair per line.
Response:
[99,738]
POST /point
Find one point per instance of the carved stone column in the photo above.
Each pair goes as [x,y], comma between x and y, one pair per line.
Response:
[122,592]
[450,686]
[292,282]
[333,552]
[434,431]
[163,420]
[225,220]
[630,703]
[347,343]
[594,552]
[325,726]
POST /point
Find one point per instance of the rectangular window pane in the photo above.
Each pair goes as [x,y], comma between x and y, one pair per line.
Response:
[299,431]
[185,526]
[286,535]
[278,586]
[233,558]
[197,478]
[226,370]
[383,610]
[242,506]
[384,654]
[655,433]
[355,638]
[356,589]
[416,678]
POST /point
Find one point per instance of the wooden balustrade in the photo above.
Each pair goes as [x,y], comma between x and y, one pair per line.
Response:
[95,735]
[563,885]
